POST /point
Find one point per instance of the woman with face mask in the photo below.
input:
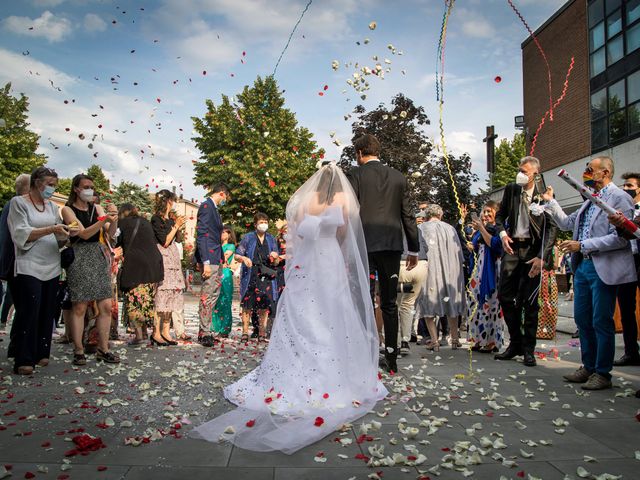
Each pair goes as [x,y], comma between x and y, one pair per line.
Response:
[37,234]
[89,275]
[258,285]
[486,324]
[169,297]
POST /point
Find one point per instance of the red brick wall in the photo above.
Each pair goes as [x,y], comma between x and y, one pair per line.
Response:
[568,137]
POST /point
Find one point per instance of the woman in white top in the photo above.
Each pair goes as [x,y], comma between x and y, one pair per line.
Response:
[37,233]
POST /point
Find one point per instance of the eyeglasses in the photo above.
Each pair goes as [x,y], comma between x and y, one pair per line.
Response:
[588,169]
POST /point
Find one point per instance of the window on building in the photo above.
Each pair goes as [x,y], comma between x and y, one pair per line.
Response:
[614,31]
[615,112]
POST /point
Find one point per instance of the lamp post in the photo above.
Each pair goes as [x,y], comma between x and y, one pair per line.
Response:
[490,141]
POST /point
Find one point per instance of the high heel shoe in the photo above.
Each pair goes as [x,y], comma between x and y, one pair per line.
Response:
[156,342]
[455,344]
[168,341]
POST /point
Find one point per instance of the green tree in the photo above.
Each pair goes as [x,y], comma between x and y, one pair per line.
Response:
[128,192]
[64,186]
[100,182]
[441,191]
[405,146]
[507,158]
[18,144]
[256,146]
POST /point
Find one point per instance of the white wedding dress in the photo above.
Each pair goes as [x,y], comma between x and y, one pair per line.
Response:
[320,368]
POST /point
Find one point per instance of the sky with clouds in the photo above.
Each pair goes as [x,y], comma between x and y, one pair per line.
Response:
[116,83]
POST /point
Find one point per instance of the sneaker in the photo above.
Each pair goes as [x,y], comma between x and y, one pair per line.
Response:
[581,375]
[404,348]
[597,382]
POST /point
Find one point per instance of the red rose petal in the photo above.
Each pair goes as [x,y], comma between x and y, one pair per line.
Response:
[101,468]
[498,79]
[251,423]
[319,421]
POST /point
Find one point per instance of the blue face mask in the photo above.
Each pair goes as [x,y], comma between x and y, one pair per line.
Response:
[48,192]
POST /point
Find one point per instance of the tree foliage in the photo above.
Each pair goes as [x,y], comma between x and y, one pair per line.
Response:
[64,186]
[405,146]
[254,144]
[507,157]
[128,192]
[101,183]
[18,144]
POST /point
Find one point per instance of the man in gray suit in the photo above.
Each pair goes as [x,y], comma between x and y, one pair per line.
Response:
[601,260]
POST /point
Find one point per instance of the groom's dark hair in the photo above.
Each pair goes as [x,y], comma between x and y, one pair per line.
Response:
[367,145]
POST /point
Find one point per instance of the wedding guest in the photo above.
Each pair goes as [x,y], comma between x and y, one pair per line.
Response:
[524,257]
[169,295]
[410,283]
[208,256]
[385,212]
[258,251]
[601,261]
[222,318]
[282,251]
[7,254]
[177,316]
[37,234]
[486,324]
[142,269]
[89,275]
[443,293]
[627,291]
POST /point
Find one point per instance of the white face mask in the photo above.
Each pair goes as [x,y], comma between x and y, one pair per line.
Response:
[522,179]
[263,227]
[86,195]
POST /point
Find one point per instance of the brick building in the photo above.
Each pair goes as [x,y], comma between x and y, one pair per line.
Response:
[600,114]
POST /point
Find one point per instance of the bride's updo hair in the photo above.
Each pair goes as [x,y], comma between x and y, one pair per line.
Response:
[327,187]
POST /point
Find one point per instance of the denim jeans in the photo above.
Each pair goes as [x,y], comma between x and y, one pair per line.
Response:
[593,307]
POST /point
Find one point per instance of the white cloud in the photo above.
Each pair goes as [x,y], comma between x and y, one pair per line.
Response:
[48,26]
[47,3]
[93,23]
[478,28]
[27,74]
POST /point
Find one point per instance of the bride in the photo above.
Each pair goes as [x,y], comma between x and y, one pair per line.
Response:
[320,369]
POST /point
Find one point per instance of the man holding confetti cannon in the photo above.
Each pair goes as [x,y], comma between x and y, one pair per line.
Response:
[600,259]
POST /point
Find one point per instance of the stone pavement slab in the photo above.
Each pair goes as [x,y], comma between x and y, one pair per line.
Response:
[442,405]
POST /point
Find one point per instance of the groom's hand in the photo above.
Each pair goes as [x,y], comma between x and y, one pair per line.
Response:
[412,261]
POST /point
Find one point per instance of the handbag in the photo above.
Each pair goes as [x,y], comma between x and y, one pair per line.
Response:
[67,256]
[267,272]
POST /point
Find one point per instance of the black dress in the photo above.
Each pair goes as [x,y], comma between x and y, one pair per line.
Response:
[259,294]
[142,261]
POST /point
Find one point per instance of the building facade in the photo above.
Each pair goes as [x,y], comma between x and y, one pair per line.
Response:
[600,112]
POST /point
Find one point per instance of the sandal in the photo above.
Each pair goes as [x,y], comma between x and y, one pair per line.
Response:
[433,346]
[79,359]
[107,357]
[184,337]
[455,344]
[244,338]
[263,339]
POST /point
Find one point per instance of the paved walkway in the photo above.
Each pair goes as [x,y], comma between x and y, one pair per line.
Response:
[496,420]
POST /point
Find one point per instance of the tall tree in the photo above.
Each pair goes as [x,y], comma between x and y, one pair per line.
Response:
[64,186]
[255,145]
[507,156]
[405,146]
[100,181]
[441,191]
[128,192]
[18,144]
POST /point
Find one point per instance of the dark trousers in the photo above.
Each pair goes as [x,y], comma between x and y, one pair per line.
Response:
[515,293]
[6,304]
[627,302]
[387,266]
[33,323]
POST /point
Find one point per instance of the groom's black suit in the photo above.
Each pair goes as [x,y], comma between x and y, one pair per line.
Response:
[386,213]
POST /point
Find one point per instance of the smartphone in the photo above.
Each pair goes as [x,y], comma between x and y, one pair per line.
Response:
[538,179]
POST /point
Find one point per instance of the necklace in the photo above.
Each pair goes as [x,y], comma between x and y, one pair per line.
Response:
[35,206]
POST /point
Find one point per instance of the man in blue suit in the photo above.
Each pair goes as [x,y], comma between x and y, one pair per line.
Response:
[601,260]
[208,256]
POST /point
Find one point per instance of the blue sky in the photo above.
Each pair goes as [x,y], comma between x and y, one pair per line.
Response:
[57,50]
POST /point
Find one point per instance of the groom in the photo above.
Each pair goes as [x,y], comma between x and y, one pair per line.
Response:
[386,213]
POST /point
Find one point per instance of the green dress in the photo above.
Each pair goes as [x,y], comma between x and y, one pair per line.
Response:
[221,317]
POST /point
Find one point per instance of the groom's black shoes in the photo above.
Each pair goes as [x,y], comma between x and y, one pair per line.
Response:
[510,353]
[388,364]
